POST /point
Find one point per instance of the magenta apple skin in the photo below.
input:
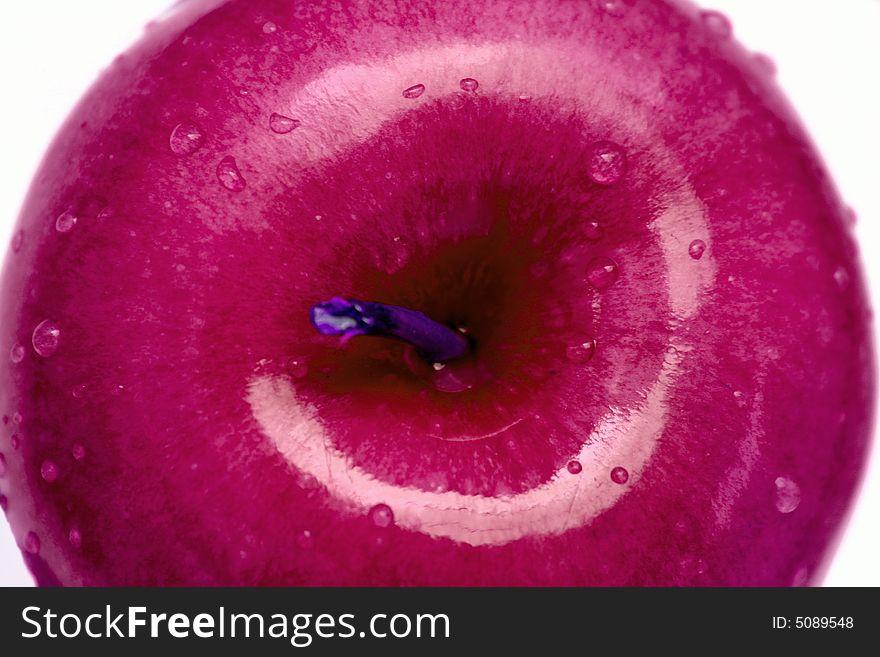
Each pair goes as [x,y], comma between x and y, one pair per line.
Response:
[672,382]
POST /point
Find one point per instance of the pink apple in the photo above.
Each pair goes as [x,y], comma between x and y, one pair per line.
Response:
[667,370]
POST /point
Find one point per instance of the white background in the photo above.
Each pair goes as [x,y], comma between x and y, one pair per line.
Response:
[827,55]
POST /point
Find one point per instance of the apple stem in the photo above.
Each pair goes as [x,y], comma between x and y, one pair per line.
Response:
[433,341]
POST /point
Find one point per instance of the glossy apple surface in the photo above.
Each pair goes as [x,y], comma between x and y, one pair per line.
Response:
[671,374]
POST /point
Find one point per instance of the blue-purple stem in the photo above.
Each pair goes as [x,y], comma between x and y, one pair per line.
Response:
[348,318]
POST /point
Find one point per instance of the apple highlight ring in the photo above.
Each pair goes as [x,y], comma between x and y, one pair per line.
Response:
[562,501]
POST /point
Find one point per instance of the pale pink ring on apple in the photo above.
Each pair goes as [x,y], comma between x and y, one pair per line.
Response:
[333,127]
[563,501]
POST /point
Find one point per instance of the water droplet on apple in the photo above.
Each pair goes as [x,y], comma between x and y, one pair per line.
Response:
[2,464]
[281,125]
[46,337]
[17,418]
[619,475]
[269,27]
[457,100]
[65,222]
[524,98]
[305,539]
[691,566]
[717,22]
[185,138]
[16,353]
[297,368]
[788,495]
[75,537]
[593,231]
[574,467]
[382,516]
[49,471]
[414,91]
[458,379]
[78,451]
[607,163]
[32,543]
[801,578]
[696,249]
[841,277]
[602,272]
[468,84]
[17,241]
[14,441]
[229,175]
[616,8]
[581,352]
[766,63]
